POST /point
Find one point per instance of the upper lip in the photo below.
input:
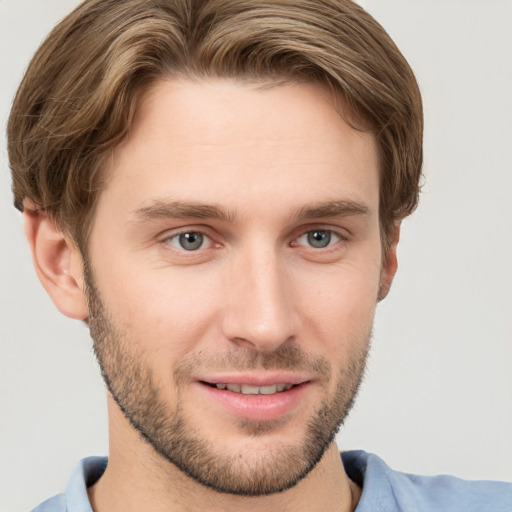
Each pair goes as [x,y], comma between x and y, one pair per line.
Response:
[253,379]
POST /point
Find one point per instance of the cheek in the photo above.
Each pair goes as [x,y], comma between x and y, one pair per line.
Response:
[168,309]
[339,306]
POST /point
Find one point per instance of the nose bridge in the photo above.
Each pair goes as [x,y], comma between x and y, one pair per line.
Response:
[259,311]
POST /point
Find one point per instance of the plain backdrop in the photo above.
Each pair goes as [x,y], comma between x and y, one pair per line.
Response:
[438,393]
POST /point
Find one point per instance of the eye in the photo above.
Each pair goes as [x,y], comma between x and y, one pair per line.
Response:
[319,238]
[189,241]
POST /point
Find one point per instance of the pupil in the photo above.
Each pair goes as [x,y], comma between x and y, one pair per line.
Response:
[191,241]
[319,239]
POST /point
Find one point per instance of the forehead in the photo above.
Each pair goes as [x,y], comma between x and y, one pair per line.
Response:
[237,143]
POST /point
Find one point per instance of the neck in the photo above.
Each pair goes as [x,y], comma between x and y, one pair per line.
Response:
[137,478]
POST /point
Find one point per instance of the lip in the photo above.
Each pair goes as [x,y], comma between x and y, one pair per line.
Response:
[256,407]
[253,379]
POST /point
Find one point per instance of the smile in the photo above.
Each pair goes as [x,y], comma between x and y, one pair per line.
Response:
[247,389]
[252,400]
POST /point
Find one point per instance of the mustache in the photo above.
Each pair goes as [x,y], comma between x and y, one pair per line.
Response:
[285,357]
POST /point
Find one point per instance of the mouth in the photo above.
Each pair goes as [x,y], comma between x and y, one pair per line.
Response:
[249,389]
[256,397]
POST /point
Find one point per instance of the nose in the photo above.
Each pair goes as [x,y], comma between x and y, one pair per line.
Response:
[258,311]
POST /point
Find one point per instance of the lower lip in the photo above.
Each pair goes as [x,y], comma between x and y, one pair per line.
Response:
[257,407]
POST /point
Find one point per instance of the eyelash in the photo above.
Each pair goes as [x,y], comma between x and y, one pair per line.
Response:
[176,236]
[330,233]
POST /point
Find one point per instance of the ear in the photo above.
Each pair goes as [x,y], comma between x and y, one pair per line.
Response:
[390,263]
[58,264]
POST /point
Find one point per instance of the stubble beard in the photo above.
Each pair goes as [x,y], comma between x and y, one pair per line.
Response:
[173,437]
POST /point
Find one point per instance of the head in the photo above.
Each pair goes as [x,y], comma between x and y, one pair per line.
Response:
[80,93]
[166,206]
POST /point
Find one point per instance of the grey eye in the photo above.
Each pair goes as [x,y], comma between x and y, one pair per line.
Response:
[319,238]
[190,241]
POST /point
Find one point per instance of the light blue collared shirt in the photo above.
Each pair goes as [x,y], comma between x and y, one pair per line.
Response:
[384,490]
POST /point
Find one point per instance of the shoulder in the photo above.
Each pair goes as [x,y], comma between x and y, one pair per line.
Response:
[55,504]
[75,498]
[386,489]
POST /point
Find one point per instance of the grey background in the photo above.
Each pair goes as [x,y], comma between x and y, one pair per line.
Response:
[438,393]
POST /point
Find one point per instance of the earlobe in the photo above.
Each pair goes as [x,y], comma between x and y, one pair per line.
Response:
[57,262]
[390,264]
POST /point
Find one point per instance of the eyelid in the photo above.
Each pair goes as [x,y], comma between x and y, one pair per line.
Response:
[175,233]
[334,239]
[193,228]
[175,241]
[342,233]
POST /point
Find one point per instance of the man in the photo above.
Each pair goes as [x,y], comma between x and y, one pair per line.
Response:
[217,189]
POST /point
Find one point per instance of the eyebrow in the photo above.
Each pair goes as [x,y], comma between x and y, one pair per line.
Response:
[160,209]
[179,210]
[339,208]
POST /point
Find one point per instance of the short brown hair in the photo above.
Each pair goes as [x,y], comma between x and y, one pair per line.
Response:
[79,94]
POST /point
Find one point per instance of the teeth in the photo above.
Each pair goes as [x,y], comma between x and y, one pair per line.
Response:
[250,390]
[247,389]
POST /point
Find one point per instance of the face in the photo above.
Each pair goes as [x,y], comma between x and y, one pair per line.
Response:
[233,271]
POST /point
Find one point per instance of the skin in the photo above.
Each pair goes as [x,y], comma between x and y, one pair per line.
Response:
[256,285]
